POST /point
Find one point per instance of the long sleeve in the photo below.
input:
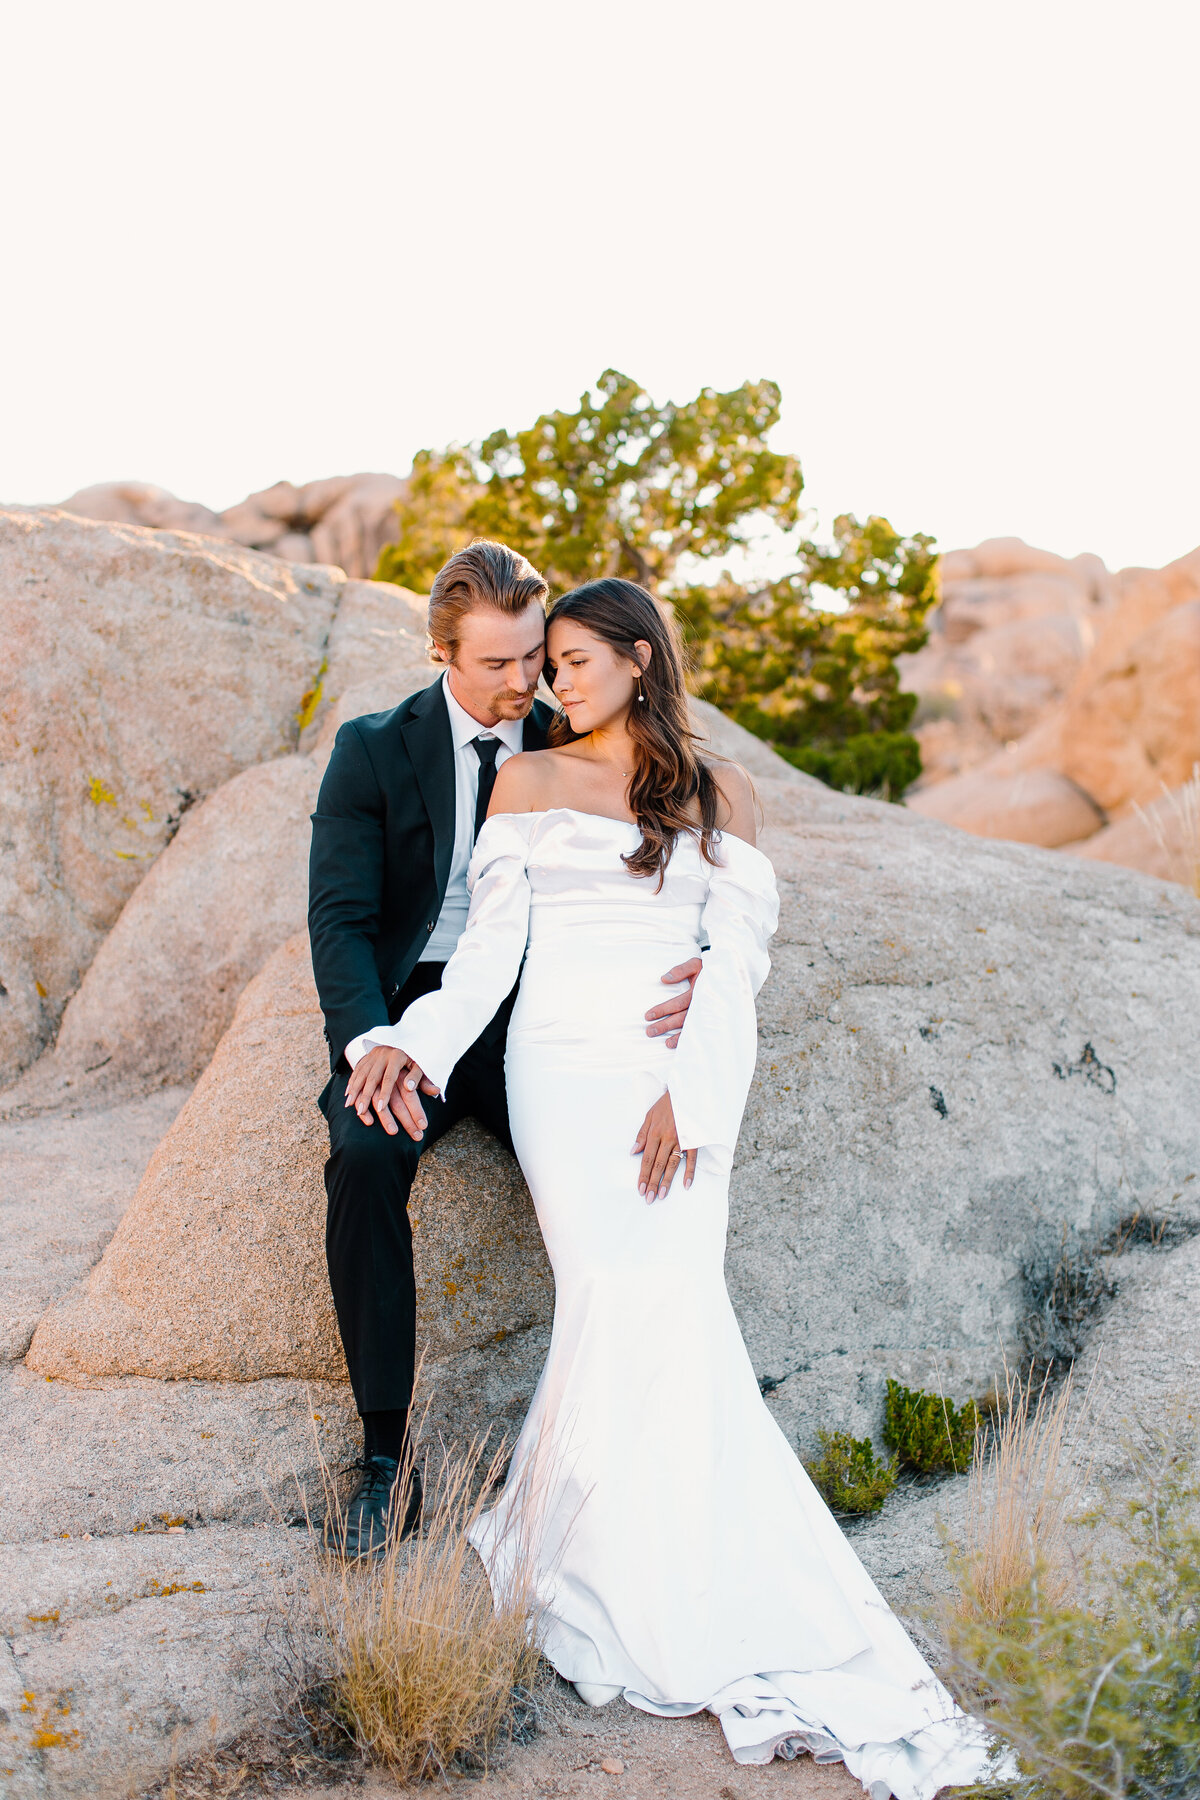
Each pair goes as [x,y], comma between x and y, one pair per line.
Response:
[346,891]
[711,1071]
[436,1029]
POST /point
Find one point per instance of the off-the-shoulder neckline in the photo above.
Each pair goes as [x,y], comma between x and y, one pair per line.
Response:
[545,812]
[578,812]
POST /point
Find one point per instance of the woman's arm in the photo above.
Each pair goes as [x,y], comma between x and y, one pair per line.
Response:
[713,1066]
[739,803]
[437,1029]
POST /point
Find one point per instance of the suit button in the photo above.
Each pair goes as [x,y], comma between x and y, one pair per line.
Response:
[429,927]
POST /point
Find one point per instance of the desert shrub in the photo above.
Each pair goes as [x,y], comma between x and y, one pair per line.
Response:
[848,1475]
[424,1671]
[928,1432]
[870,762]
[1099,1693]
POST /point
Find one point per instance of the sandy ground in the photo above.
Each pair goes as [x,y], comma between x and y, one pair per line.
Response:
[622,1754]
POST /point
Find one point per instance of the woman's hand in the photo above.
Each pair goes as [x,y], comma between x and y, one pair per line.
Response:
[657,1144]
[388,1082]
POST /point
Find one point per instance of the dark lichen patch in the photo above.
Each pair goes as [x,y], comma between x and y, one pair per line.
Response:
[1067,1290]
[187,799]
[1088,1064]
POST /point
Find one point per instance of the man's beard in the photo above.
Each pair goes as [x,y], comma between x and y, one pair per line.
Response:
[507,705]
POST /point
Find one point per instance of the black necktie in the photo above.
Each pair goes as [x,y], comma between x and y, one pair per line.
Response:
[487,750]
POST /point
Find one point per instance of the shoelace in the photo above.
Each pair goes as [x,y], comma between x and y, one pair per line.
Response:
[376,1471]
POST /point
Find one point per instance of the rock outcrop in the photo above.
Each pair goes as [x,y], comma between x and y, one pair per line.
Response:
[217,1270]
[1013,627]
[968,1049]
[344,520]
[142,670]
[1162,839]
[232,885]
[1128,726]
[972,1054]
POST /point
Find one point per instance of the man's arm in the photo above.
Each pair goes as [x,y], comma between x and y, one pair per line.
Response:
[655,1142]
[346,893]
[669,1015]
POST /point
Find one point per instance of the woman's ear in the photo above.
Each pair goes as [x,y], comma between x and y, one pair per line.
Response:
[643,650]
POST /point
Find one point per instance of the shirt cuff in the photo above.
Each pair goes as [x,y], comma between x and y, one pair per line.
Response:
[357,1048]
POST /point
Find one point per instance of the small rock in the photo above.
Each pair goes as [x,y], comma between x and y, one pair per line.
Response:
[612,1765]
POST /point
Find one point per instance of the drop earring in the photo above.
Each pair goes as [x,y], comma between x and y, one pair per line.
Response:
[640,695]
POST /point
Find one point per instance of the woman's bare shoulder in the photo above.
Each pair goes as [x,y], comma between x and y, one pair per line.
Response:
[738,811]
[523,781]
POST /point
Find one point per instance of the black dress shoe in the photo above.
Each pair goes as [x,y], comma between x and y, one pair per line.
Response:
[380,1504]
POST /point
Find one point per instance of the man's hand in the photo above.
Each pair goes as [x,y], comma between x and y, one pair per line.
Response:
[388,1082]
[657,1143]
[670,1014]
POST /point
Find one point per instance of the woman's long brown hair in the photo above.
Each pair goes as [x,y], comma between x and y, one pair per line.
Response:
[670,782]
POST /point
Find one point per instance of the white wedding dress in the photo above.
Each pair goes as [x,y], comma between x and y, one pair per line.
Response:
[682,1554]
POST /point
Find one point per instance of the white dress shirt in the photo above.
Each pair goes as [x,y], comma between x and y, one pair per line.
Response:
[451,921]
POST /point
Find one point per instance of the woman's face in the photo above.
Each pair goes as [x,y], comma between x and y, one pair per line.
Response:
[594,683]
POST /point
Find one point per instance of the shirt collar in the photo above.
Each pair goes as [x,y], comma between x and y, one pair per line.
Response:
[463,728]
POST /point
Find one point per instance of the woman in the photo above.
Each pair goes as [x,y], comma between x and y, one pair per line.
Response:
[682,1556]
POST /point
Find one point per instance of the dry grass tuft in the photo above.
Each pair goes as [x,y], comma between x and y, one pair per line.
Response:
[1174,823]
[425,1672]
[1022,1492]
[1098,1690]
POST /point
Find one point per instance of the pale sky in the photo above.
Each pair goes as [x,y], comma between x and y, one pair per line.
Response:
[254,241]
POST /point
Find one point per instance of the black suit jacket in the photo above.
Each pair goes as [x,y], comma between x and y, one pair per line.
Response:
[382,842]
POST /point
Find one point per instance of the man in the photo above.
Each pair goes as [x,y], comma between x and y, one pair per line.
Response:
[400,806]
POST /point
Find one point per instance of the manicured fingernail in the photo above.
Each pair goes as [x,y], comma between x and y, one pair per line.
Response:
[641,1187]
[410,1085]
[687,1181]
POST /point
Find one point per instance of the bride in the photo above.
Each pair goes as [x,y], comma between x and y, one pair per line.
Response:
[682,1556]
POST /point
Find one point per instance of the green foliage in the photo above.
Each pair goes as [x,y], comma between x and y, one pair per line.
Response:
[1100,1695]
[433,519]
[928,1432]
[848,1475]
[621,486]
[809,663]
[872,762]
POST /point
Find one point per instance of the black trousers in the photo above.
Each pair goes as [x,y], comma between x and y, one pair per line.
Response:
[368,1177]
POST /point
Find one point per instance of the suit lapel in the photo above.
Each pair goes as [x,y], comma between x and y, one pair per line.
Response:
[430,746]
[537,724]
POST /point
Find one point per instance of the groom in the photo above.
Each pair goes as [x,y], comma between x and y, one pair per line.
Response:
[400,806]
